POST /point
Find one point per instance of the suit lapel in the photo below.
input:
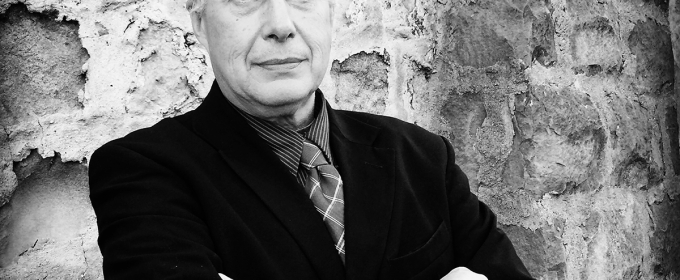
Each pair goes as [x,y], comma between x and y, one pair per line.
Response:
[248,155]
[368,176]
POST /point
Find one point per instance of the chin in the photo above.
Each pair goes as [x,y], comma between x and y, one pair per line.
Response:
[283,93]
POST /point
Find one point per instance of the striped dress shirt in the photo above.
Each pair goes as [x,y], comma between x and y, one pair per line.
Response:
[287,144]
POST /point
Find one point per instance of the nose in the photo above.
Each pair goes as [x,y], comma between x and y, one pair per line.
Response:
[278,22]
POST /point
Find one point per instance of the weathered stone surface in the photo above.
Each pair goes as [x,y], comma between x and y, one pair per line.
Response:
[471,43]
[540,250]
[665,241]
[163,87]
[663,4]
[584,144]
[672,130]
[361,82]
[543,36]
[40,75]
[560,142]
[8,180]
[40,58]
[48,228]
[595,44]
[650,42]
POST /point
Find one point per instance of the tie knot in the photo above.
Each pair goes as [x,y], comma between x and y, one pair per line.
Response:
[312,156]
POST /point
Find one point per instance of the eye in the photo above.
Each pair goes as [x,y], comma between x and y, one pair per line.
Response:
[244,7]
[303,3]
[244,2]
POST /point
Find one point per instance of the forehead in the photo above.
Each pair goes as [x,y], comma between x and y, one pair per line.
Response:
[201,3]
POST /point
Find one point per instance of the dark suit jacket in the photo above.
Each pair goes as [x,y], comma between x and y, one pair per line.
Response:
[201,193]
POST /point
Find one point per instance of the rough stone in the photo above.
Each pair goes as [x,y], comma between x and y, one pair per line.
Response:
[8,179]
[665,241]
[663,4]
[40,75]
[560,140]
[672,130]
[164,86]
[595,44]
[651,44]
[40,58]
[361,82]
[540,250]
[47,228]
[473,44]
[543,38]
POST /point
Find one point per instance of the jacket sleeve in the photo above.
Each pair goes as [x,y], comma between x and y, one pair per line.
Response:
[479,244]
[149,223]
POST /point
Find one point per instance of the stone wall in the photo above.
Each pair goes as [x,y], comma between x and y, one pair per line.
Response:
[563,114]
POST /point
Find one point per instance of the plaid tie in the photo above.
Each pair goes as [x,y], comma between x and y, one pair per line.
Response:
[324,187]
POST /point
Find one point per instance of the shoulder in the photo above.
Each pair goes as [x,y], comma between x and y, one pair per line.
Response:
[398,134]
[168,136]
[163,132]
[390,126]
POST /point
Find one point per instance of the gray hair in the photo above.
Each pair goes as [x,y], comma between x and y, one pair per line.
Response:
[195,6]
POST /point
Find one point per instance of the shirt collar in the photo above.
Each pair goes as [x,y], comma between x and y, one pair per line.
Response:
[286,143]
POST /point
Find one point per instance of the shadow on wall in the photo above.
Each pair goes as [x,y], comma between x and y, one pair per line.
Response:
[48,227]
[40,65]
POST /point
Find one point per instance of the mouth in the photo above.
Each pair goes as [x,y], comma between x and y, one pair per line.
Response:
[280,63]
[275,61]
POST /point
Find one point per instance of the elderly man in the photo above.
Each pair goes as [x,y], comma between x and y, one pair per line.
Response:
[265,181]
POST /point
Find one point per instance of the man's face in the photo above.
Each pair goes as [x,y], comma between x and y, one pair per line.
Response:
[267,54]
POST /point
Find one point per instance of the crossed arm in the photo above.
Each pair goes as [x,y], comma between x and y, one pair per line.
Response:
[459,273]
[126,191]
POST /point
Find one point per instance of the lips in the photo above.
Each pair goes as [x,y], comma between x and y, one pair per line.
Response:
[280,65]
[276,61]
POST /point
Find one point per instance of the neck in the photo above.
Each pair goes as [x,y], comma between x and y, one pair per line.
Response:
[293,116]
[297,119]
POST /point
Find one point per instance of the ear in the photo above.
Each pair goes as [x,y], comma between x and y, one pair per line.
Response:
[198,23]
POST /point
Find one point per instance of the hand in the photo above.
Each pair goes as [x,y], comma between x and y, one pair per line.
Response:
[462,273]
[224,277]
